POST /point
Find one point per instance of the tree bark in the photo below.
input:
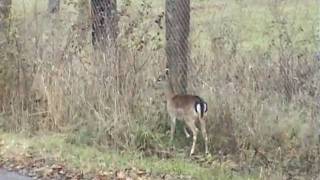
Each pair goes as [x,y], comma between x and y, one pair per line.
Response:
[104,23]
[53,6]
[83,23]
[177,17]
[5,6]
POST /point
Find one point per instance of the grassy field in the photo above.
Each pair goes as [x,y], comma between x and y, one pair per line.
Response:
[252,61]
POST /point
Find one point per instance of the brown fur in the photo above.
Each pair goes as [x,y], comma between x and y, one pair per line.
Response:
[182,105]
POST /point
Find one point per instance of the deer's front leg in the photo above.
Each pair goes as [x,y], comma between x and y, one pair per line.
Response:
[172,129]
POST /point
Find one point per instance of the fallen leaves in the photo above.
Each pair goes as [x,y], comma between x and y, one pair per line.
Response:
[47,169]
[38,168]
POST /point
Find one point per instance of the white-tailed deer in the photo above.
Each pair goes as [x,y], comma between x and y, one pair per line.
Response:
[188,108]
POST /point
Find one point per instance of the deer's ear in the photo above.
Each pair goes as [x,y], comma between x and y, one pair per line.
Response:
[167,71]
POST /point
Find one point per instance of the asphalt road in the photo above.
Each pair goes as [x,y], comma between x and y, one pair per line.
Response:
[6,175]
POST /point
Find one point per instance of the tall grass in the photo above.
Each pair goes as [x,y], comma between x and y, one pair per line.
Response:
[252,61]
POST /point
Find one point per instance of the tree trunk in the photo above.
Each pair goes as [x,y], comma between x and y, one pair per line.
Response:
[53,6]
[5,62]
[104,23]
[177,48]
[104,35]
[5,6]
[83,21]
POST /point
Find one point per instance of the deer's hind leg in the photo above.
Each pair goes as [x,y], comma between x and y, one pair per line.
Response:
[204,133]
[186,132]
[192,126]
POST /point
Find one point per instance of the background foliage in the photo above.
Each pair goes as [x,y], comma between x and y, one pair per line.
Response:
[255,62]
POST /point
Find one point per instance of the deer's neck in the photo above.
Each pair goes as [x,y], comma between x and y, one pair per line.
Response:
[169,93]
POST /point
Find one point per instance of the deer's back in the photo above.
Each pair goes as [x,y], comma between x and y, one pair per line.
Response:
[182,106]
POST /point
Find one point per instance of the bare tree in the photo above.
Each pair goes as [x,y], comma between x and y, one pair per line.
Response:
[53,6]
[5,6]
[83,21]
[104,22]
[177,17]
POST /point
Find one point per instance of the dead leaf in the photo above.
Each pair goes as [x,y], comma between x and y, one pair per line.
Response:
[120,175]
[57,167]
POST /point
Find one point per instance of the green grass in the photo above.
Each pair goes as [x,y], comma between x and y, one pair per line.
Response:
[91,159]
[249,23]
[252,23]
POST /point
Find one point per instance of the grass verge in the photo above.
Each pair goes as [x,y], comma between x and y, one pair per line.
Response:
[90,159]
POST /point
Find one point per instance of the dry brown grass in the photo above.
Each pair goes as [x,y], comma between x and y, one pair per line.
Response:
[263,100]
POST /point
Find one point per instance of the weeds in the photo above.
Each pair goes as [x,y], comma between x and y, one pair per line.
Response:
[253,62]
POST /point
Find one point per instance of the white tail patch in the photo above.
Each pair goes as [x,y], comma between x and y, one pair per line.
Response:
[198,108]
[204,107]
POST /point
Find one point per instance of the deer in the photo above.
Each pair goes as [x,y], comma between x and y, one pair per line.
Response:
[190,109]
